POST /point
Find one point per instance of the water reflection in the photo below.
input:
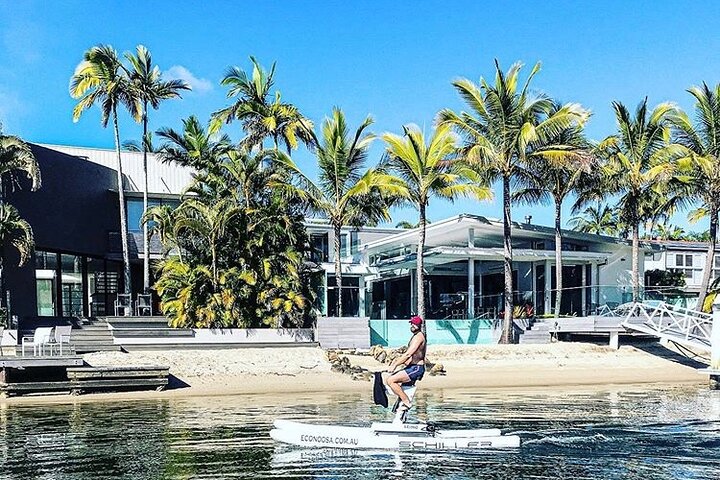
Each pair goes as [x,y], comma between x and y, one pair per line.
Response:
[659,433]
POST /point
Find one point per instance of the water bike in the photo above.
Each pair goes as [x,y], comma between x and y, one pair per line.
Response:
[391,436]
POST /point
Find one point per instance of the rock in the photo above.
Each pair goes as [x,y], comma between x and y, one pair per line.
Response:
[382,357]
[332,356]
[345,361]
[437,369]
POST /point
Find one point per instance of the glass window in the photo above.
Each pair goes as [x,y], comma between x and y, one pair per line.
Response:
[717,261]
[343,245]
[46,282]
[688,260]
[350,296]
[319,246]
[679,260]
[134,214]
[354,242]
[96,282]
[72,292]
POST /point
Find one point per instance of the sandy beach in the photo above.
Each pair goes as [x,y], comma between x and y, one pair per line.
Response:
[307,370]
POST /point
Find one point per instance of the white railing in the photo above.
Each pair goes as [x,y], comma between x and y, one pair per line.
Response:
[678,324]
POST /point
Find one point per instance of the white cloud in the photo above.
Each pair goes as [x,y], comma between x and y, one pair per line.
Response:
[178,72]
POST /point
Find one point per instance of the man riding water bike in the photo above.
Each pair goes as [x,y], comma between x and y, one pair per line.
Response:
[412,363]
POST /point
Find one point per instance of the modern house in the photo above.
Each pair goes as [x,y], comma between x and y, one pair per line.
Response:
[77,269]
[685,257]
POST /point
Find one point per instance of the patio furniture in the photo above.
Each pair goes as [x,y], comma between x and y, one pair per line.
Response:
[38,341]
[62,335]
[143,305]
[123,303]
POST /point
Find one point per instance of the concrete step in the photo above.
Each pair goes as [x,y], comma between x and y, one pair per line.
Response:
[152,332]
[97,348]
[91,338]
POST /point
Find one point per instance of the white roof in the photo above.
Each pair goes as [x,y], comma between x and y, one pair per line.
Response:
[162,177]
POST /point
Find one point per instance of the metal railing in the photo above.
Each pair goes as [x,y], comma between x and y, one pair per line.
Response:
[679,324]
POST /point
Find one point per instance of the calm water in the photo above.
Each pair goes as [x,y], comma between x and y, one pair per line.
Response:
[659,433]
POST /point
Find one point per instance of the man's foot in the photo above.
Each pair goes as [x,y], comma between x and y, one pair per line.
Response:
[405,406]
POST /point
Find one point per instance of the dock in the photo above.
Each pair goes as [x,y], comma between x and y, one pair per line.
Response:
[70,374]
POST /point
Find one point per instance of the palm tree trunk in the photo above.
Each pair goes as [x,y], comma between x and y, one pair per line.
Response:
[146,236]
[123,216]
[507,336]
[421,268]
[636,261]
[558,258]
[338,269]
[710,260]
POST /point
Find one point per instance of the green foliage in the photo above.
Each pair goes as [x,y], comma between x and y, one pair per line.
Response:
[235,245]
[664,278]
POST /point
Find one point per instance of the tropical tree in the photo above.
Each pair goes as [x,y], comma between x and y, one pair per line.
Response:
[101,79]
[598,220]
[701,166]
[554,170]
[151,89]
[345,193]
[666,231]
[194,147]
[429,168]
[16,159]
[640,164]
[262,114]
[503,123]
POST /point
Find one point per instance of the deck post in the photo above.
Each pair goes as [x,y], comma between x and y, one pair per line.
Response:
[614,340]
[548,288]
[471,288]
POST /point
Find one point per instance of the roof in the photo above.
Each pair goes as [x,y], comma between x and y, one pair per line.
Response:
[681,245]
[163,178]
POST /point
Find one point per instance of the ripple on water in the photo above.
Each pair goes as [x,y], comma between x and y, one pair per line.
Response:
[658,433]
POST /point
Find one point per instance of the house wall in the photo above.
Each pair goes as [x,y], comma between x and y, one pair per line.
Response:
[616,275]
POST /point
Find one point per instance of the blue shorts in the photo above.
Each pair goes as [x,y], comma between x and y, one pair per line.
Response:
[415,372]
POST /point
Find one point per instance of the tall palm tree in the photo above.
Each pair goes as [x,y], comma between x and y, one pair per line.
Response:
[194,147]
[151,89]
[14,230]
[345,193]
[701,165]
[503,122]
[555,168]
[261,115]
[600,220]
[102,80]
[640,163]
[427,169]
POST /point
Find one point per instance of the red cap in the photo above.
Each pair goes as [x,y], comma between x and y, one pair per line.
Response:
[416,320]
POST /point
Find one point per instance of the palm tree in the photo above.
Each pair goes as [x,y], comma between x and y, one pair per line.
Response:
[498,131]
[600,220]
[151,89]
[101,79]
[701,164]
[345,193]
[260,115]
[640,164]
[15,157]
[430,169]
[194,147]
[552,174]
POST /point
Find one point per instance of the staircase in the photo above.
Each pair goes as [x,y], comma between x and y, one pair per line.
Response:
[538,333]
[92,335]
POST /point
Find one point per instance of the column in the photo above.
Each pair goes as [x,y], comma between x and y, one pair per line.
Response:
[361,298]
[548,288]
[715,337]
[595,292]
[471,288]
[534,287]
[583,290]
[413,291]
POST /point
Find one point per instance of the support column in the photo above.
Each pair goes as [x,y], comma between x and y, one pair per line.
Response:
[583,291]
[614,340]
[548,288]
[361,297]
[595,292]
[715,337]
[471,288]
[413,291]
[534,287]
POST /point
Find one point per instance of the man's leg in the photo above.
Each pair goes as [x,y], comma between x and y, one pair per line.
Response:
[395,382]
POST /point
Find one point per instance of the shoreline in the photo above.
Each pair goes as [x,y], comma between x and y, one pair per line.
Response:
[292,372]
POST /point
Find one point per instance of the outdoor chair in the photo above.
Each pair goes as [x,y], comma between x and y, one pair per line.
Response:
[123,303]
[38,341]
[62,335]
[143,305]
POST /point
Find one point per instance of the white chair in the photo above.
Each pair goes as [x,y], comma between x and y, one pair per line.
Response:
[143,305]
[123,305]
[62,335]
[42,337]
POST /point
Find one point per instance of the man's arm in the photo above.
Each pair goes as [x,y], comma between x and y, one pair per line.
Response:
[405,357]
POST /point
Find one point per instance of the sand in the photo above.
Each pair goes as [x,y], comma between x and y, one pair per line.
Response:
[300,369]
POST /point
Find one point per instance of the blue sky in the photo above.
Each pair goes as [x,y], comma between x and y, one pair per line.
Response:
[392,60]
